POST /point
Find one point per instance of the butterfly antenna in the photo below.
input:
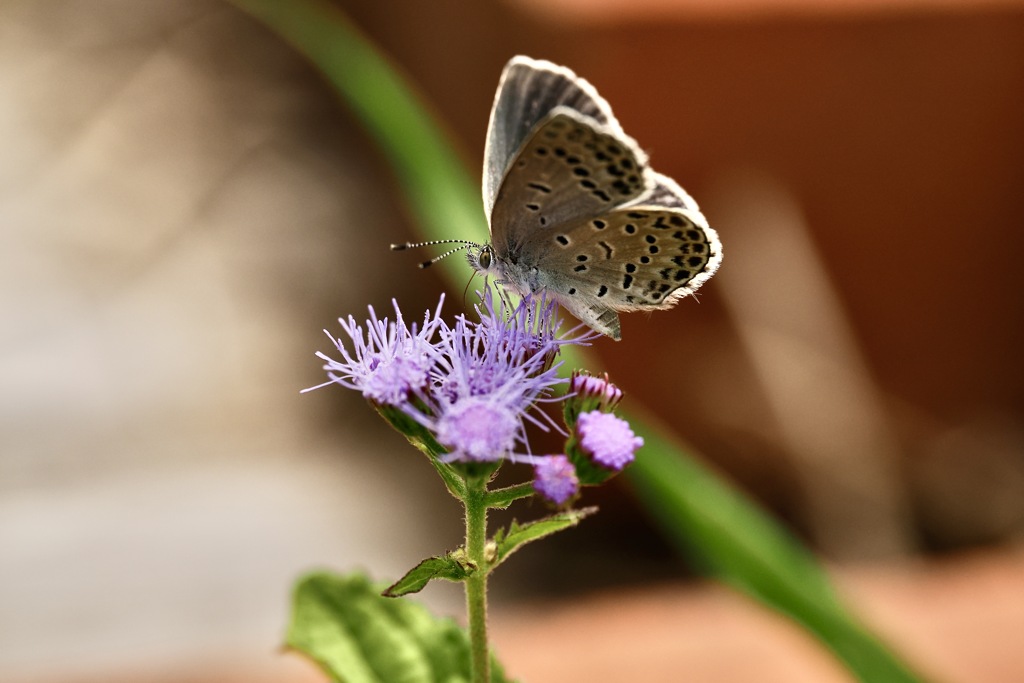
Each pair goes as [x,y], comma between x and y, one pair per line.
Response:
[426,264]
[417,245]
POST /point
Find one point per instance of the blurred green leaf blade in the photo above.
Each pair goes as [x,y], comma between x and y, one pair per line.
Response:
[443,197]
[745,548]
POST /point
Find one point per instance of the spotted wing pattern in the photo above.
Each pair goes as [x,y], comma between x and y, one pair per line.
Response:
[574,209]
[569,168]
[634,258]
[528,91]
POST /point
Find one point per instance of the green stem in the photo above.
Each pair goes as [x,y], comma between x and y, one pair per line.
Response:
[476,584]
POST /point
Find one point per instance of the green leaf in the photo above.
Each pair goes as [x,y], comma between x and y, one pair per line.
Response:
[507,542]
[738,541]
[501,498]
[452,567]
[357,636]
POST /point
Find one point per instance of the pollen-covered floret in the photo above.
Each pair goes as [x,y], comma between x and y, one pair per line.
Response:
[555,479]
[607,439]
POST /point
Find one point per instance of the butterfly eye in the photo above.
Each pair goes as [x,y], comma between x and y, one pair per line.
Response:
[485,258]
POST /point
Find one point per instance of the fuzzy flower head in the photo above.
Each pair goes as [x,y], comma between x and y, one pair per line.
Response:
[527,332]
[388,362]
[489,378]
[478,428]
[474,386]
[607,439]
[506,343]
[555,479]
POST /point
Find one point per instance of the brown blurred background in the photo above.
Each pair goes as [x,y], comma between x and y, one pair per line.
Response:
[184,204]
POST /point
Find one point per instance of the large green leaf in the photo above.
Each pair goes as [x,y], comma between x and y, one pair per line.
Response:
[735,540]
[357,636]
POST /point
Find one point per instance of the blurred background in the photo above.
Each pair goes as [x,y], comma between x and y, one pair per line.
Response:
[185,204]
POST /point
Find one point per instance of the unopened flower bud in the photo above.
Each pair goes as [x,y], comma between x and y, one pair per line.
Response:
[589,393]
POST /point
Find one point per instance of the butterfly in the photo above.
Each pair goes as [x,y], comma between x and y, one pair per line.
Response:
[574,209]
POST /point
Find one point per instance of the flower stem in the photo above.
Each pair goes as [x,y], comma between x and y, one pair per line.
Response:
[476,584]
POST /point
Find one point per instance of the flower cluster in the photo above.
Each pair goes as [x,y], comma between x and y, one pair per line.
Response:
[476,385]
[601,444]
[389,363]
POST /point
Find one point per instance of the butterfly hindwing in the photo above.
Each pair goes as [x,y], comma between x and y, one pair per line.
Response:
[633,258]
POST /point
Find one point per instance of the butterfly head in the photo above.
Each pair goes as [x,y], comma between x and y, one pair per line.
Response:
[481,259]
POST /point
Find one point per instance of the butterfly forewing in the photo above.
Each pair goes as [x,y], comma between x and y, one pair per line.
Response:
[667,193]
[633,258]
[528,91]
[569,168]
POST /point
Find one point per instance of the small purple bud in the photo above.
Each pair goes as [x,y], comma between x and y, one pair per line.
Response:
[588,393]
[607,439]
[555,479]
[590,387]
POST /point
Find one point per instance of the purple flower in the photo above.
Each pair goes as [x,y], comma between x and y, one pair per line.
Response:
[479,428]
[555,479]
[607,439]
[489,377]
[474,385]
[389,362]
[505,345]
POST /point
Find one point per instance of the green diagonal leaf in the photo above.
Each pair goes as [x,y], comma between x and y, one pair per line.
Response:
[439,192]
[357,636]
[745,548]
[518,535]
[452,567]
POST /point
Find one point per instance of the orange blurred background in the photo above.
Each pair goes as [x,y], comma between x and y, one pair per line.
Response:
[184,204]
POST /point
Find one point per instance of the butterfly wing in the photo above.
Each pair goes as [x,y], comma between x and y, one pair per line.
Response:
[574,209]
[667,193]
[528,91]
[641,257]
[570,167]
